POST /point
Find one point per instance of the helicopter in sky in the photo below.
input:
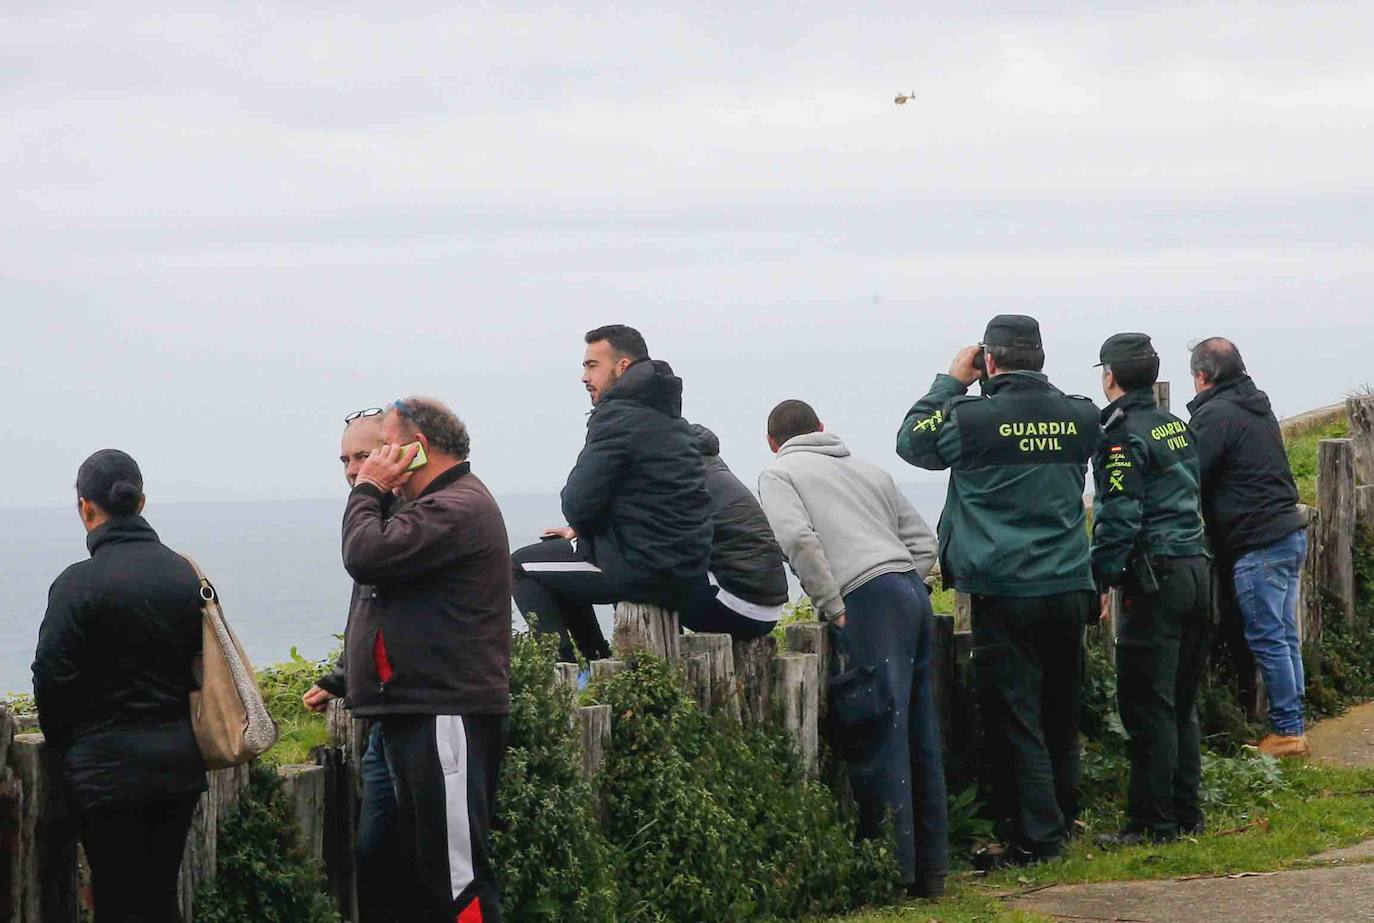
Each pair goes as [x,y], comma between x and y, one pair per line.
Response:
[903,98]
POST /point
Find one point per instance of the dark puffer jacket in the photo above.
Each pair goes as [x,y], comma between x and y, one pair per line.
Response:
[637,493]
[113,672]
[1249,499]
[745,558]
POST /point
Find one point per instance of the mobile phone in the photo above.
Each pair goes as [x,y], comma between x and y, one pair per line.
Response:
[420,459]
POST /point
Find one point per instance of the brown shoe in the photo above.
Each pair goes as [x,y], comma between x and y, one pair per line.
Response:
[1281,745]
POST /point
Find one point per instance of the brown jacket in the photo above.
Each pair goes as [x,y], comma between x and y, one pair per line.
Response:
[431,630]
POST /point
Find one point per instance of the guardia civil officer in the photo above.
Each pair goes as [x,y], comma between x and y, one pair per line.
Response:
[1148,540]
[1013,537]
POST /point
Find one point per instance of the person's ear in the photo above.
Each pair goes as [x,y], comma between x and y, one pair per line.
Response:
[773,445]
[621,365]
[820,427]
[142,501]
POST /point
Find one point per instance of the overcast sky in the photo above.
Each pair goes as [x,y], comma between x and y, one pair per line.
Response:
[226,226]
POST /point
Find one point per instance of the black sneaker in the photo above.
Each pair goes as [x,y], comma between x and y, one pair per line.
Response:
[928,887]
[1000,856]
[1121,840]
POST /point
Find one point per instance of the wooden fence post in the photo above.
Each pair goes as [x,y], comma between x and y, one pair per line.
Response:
[963,612]
[1309,589]
[796,695]
[340,827]
[565,677]
[594,728]
[720,656]
[47,841]
[304,788]
[603,670]
[1162,395]
[1364,508]
[644,627]
[1361,411]
[1336,503]
[697,670]
[753,663]
[813,638]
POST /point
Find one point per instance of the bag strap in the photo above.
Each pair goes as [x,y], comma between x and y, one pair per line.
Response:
[208,595]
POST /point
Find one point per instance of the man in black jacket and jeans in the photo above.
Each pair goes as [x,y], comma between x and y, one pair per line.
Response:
[636,504]
[1249,502]
[428,652]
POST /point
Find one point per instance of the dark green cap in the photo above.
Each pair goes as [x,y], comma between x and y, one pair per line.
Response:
[1013,330]
[1123,347]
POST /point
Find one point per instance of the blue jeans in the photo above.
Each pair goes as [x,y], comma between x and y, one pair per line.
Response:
[375,850]
[889,625]
[1267,581]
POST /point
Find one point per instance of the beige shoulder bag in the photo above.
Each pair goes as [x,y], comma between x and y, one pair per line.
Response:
[229,716]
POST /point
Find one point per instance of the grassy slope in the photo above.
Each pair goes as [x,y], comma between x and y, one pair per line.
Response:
[1323,808]
[1302,457]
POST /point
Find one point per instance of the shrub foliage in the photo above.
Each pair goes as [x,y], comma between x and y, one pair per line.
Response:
[263,872]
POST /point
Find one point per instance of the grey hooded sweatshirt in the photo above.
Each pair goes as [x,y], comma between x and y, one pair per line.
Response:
[840,520]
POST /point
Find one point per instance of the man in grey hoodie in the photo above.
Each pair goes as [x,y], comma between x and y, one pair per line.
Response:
[862,553]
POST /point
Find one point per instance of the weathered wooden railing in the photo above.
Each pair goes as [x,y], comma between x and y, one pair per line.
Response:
[43,875]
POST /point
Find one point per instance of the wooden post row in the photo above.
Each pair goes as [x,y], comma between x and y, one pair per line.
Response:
[1361,412]
[1336,509]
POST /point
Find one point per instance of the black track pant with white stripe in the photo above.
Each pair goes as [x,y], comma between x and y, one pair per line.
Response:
[444,768]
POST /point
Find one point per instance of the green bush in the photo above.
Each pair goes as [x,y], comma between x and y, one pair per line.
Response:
[1233,785]
[300,730]
[263,872]
[548,847]
[717,822]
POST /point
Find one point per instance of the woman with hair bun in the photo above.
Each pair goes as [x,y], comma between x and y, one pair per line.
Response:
[112,678]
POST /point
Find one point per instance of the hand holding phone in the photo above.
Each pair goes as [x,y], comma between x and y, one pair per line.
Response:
[420,459]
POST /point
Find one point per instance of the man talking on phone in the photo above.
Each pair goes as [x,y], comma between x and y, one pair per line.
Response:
[429,655]
[639,518]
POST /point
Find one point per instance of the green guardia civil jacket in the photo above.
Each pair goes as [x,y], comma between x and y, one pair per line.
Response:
[1148,481]
[1013,523]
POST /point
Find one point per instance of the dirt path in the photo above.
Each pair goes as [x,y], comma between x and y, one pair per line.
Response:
[1338,888]
[1347,740]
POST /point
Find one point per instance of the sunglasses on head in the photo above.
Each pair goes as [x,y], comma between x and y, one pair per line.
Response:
[360,414]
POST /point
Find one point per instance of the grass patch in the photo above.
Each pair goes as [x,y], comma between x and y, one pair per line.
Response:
[1302,457]
[1320,808]
[300,730]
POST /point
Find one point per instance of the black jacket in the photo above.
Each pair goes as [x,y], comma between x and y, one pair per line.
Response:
[113,672]
[745,558]
[430,629]
[1249,498]
[637,493]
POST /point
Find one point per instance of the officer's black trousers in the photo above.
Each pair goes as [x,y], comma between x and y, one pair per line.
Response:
[1161,649]
[1028,659]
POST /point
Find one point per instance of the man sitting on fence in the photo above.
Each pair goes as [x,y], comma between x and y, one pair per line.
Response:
[861,551]
[1147,540]
[1249,501]
[636,504]
[747,586]
[429,656]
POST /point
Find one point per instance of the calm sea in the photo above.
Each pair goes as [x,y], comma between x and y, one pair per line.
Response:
[276,566]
